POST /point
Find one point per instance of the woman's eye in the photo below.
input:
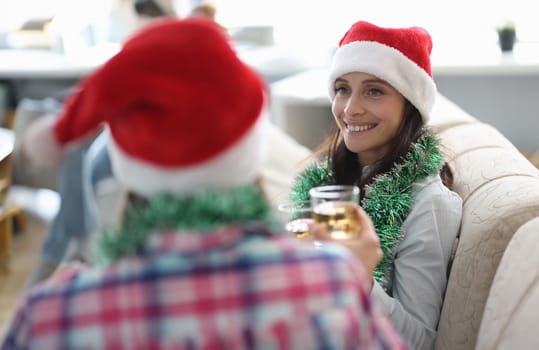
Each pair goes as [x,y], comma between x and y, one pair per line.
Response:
[374,92]
[339,90]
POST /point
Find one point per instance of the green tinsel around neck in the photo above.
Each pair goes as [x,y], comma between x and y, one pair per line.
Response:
[203,212]
[388,199]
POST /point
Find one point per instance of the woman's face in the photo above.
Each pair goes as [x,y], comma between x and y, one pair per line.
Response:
[369,113]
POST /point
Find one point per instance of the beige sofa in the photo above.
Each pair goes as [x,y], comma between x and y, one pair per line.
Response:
[500,192]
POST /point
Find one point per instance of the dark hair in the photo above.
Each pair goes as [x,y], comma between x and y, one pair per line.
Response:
[345,164]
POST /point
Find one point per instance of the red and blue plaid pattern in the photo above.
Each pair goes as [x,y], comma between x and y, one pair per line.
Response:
[236,288]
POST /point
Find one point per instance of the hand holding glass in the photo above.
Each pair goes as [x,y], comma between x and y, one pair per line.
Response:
[335,208]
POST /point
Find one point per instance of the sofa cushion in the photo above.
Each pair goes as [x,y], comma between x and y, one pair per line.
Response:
[510,318]
[470,136]
[477,168]
[479,154]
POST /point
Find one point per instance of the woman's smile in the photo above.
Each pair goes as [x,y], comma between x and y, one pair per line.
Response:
[352,127]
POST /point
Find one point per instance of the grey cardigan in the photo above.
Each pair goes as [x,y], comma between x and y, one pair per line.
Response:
[416,288]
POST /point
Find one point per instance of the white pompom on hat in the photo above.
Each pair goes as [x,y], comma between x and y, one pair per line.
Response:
[399,56]
[184,112]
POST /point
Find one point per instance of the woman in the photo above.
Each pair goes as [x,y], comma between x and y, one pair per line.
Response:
[195,262]
[382,91]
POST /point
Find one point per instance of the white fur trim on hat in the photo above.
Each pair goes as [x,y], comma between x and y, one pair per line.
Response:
[238,165]
[389,65]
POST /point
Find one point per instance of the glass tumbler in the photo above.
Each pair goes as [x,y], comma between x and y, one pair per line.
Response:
[335,207]
[296,216]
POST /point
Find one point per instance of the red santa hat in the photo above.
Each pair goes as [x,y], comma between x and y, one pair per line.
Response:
[184,113]
[400,56]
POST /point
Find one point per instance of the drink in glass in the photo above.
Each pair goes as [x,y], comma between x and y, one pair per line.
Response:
[335,207]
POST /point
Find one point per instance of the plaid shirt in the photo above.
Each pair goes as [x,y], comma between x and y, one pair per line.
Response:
[235,288]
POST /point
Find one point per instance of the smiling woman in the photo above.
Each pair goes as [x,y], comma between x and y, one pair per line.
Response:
[382,92]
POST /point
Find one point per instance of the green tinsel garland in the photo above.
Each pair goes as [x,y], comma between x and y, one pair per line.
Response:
[388,198]
[203,212]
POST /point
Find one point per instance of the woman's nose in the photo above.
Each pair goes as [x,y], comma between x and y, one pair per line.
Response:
[354,105]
